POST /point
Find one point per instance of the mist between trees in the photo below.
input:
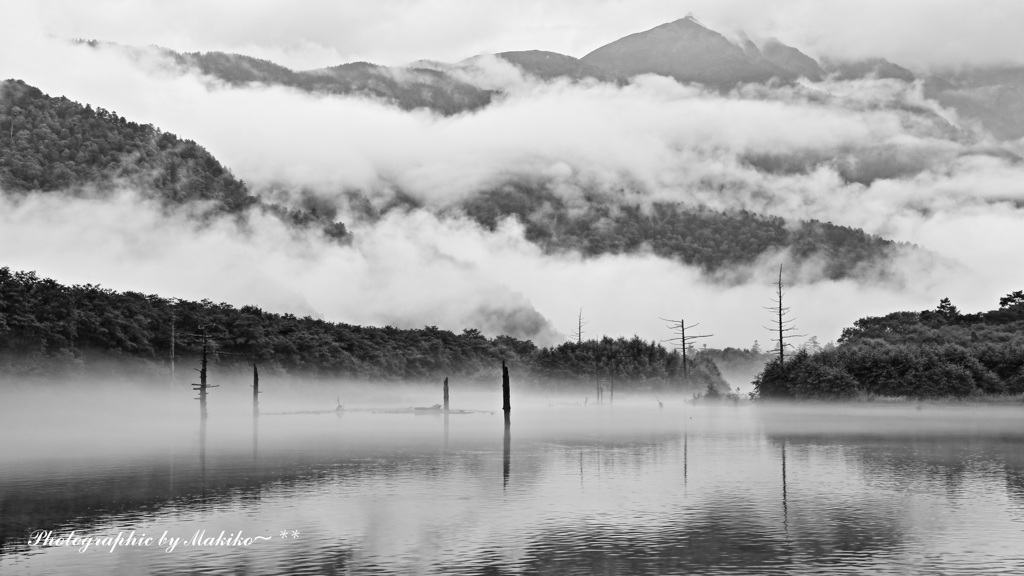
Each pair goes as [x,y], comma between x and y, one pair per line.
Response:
[51,330]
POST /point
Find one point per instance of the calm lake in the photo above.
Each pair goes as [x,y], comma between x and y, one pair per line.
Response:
[570,489]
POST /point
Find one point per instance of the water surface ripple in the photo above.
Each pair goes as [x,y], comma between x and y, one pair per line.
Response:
[579,490]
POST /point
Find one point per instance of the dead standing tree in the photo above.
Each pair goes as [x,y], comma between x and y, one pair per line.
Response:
[202,386]
[255,380]
[783,326]
[578,335]
[580,323]
[683,341]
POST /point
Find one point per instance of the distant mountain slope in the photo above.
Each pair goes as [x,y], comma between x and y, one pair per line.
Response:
[792,59]
[993,96]
[407,88]
[687,51]
[53,143]
[871,67]
[712,240]
[236,68]
[551,65]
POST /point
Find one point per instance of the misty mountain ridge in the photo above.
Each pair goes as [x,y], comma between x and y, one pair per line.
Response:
[687,51]
[992,96]
[719,242]
[730,246]
[684,50]
[59,145]
[407,88]
[552,66]
[713,240]
[56,145]
[789,58]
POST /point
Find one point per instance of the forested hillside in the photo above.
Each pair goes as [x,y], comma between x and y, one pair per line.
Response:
[46,327]
[934,353]
[53,144]
[710,239]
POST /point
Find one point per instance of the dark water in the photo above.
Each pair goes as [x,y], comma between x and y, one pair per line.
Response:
[569,490]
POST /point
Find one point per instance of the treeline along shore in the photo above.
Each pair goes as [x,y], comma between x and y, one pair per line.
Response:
[931,354]
[49,329]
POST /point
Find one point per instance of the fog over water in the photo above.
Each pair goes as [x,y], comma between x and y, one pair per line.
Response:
[623,487]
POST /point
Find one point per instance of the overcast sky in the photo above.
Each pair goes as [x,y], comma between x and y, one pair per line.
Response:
[314,33]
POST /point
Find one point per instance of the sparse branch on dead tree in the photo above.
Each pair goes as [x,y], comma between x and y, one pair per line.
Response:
[683,340]
[580,323]
[783,326]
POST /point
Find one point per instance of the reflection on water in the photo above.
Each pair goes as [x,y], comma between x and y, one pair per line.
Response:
[785,506]
[591,490]
[507,457]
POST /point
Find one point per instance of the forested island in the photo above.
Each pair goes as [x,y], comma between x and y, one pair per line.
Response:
[49,329]
[931,354]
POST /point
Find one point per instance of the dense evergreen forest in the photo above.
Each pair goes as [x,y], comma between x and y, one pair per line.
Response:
[49,144]
[47,328]
[935,353]
[713,240]
[54,144]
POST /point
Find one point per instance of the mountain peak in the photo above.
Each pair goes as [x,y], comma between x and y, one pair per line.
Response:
[687,51]
[691,19]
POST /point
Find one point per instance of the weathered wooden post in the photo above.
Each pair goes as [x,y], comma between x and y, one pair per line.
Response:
[172,349]
[201,387]
[505,403]
[683,341]
[611,391]
[445,394]
[255,391]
